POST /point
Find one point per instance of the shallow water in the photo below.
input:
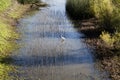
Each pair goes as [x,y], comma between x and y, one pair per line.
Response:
[44,55]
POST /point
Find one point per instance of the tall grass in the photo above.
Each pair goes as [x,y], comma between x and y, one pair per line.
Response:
[4,72]
[4,4]
[7,39]
[7,32]
[79,8]
[8,36]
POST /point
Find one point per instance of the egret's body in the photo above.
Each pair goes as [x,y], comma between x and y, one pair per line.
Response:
[62,38]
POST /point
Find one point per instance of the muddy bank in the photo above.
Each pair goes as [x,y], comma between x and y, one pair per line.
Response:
[8,30]
[107,57]
[17,10]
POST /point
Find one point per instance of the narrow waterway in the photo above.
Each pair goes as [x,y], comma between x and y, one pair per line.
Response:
[45,55]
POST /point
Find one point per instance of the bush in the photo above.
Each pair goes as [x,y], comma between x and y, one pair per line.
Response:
[79,8]
[116,3]
[107,38]
[4,4]
[4,72]
[111,40]
[117,40]
[102,7]
[107,13]
[28,1]
[7,39]
[104,10]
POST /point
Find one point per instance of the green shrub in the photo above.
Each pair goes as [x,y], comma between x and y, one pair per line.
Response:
[106,11]
[117,40]
[4,4]
[116,3]
[107,38]
[79,8]
[111,40]
[103,10]
[4,72]
[28,1]
[7,39]
[102,7]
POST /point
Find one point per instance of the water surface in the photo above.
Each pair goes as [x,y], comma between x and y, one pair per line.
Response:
[44,55]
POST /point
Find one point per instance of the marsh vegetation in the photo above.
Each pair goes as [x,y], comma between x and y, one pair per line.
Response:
[107,12]
[107,15]
[10,10]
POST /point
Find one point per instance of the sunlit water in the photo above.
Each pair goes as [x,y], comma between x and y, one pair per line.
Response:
[44,55]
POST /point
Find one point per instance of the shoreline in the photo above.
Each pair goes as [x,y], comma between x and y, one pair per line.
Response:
[9,34]
[8,37]
[9,19]
[17,10]
[106,57]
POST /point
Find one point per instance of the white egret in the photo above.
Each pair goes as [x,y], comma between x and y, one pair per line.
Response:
[62,38]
